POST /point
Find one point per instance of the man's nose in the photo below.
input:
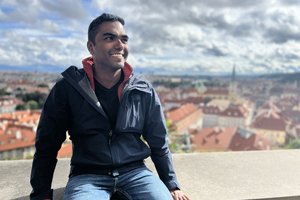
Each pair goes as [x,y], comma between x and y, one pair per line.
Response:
[119,44]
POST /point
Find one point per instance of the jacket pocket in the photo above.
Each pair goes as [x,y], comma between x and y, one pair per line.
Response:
[132,116]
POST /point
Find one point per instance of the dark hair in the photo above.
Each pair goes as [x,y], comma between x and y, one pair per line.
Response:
[95,24]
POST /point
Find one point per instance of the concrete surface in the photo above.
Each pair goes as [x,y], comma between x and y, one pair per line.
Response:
[272,175]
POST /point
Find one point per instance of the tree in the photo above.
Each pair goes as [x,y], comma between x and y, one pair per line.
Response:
[294,144]
[32,105]
[43,85]
[3,92]
[37,97]
[172,142]
[21,107]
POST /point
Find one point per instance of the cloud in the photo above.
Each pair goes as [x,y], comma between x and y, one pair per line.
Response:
[71,9]
[215,51]
[190,36]
[18,11]
[290,2]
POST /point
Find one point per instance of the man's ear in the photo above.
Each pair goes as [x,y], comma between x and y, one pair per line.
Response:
[90,47]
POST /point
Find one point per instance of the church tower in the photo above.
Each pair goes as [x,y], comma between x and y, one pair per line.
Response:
[232,86]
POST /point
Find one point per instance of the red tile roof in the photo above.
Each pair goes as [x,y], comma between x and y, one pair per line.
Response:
[65,151]
[17,136]
[16,145]
[270,121]
[194,100]
[248,141]
[292,114]
[182,112]
[215,139]
[238,111]
[216,91]
[213,110]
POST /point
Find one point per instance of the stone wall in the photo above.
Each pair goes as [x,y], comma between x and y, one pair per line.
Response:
[203,176]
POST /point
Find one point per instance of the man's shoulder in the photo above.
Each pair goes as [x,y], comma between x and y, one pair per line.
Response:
[73,70]
[139,78]
[140,81]
[74,73]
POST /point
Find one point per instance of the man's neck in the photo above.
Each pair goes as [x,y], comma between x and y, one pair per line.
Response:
[107,78]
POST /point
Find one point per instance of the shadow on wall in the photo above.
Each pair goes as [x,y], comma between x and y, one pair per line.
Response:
[58,195]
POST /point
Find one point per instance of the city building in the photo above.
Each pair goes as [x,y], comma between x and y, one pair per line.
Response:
[183,118]
[235,115]
[8,104]
[272,126]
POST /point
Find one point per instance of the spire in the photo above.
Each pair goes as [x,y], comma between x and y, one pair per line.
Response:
[233,74]
[232,86]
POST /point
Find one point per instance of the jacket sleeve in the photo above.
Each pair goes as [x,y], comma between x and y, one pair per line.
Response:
[155,133]
[51,133]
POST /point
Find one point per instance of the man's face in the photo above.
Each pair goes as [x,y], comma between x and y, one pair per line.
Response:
[110,50]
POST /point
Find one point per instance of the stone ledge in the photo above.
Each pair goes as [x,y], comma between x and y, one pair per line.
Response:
[272,175]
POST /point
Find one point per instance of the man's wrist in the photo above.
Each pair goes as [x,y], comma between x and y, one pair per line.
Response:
[174,189]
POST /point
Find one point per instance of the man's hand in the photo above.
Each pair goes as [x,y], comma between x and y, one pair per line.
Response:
[179,195]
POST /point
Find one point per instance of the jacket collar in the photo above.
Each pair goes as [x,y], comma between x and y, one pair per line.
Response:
[88,68]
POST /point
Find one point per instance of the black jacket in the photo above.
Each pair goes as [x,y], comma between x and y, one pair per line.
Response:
[73,107]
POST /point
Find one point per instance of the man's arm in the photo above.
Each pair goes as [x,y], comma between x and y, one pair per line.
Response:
[155,133]
[51,133]
[157,138]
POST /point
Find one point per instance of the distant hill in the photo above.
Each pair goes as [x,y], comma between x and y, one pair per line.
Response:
[283,77]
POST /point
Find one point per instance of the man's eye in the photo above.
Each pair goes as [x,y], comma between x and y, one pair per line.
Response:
[109,38]
[125,40]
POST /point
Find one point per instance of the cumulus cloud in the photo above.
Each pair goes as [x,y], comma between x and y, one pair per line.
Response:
[190,36]
[72,9]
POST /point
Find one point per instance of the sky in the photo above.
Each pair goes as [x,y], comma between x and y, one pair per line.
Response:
[188,37]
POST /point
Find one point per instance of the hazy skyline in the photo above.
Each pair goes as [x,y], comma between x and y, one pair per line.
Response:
[176,37]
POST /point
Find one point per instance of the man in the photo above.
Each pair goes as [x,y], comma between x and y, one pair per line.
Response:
[108,112]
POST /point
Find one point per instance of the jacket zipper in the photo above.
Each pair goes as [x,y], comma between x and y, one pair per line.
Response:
[110,137]
[110,147]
